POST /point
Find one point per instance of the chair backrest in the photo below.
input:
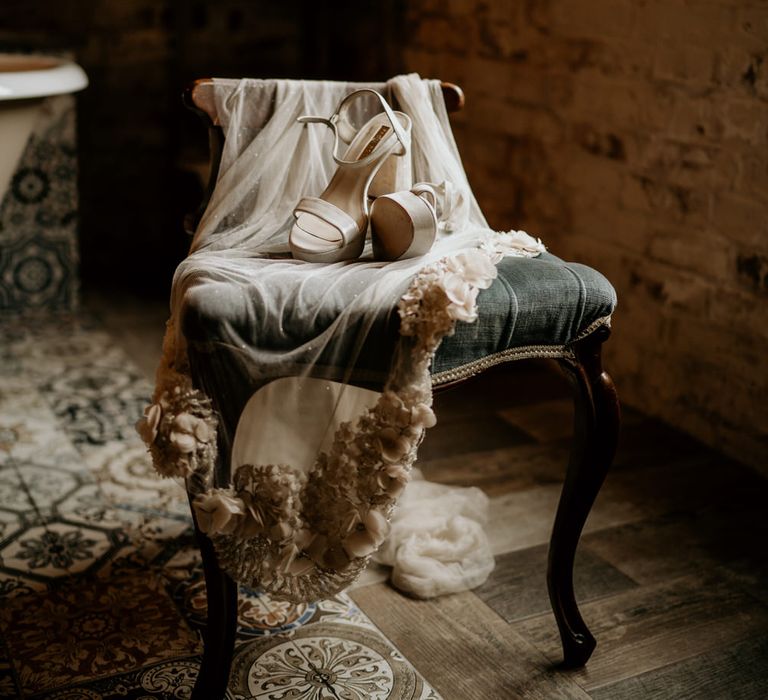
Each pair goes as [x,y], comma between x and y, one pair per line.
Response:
[198,97]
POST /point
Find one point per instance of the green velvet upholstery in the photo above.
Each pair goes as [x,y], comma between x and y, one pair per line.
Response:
[534,301]
[541,301]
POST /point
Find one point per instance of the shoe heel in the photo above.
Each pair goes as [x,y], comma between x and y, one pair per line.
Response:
[403,225]
[394,175]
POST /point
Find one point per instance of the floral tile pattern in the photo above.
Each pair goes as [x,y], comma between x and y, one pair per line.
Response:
[101,583]
[12,495]
[57,549]
[84,631]
[325,660]
[38,216]
[257,614]
[46,485]
[94,405]
[172,680]
[10,522]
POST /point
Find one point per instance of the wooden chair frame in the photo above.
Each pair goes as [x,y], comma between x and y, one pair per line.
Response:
[596,427]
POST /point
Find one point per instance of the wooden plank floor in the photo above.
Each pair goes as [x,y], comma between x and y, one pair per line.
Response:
[672,572]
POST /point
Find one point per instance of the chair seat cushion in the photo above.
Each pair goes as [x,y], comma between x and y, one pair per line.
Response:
[541,301]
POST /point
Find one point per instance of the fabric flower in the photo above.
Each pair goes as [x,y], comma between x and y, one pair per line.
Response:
[351,522]
[477,268]
[326,555]
[300,566]
[254,522]
[393,410]
[451,210]
[422,416]
[304,538]
[336,558]
[317,548]
[218,513]
[147,426]
[495,255]
[181,467]
[287,555]
[393,479]
[187,431]
[393,445]
[516,243]
[369,535]
[462,297]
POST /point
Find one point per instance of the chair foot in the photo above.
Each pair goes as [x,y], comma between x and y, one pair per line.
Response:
[219,636]
[595,437]
[577,648]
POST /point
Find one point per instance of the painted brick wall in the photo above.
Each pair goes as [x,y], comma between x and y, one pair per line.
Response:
[632,135]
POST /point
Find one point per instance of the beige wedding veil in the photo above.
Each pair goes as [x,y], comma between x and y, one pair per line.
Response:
[313,379]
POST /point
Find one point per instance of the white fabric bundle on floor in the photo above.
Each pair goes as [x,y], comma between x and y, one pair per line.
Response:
[437,544]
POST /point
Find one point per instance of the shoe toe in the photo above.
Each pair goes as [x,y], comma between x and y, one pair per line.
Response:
[314,235]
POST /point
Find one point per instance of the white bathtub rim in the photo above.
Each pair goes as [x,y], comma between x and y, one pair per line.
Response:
[61,79]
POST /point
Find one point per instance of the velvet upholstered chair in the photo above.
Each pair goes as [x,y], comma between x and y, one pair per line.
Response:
[538,307]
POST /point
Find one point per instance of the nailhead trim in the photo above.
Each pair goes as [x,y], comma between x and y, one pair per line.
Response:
[525,352]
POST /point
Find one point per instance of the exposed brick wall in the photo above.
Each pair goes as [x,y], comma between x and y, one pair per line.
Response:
[632,135]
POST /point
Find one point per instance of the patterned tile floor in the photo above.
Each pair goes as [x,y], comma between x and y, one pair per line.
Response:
[101,585]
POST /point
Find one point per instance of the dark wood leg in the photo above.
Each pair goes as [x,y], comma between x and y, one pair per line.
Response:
[595,436]
[219,637]
[221,590]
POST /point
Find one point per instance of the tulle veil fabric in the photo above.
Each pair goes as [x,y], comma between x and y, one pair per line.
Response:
[320,457]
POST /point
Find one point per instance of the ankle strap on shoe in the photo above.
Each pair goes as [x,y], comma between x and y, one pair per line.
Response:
[343,130]
[446,199]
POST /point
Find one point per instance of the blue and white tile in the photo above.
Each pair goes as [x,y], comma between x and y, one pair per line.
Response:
[147,533]
[87,504]
[323,660]
[92,421]
[13,496]
[58,548]
[47,485]
[125,473]
[29,430]
[10,523]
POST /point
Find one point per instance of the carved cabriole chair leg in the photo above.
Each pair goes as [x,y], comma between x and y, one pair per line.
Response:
[221,590]
[596,427]
[219,636]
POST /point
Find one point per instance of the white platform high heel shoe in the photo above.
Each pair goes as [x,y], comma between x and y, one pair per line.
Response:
[333,226]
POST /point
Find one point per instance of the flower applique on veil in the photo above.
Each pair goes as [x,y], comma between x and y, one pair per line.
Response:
[304,532]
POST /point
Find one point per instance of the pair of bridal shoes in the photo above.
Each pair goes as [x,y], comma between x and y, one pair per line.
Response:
[374,166]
